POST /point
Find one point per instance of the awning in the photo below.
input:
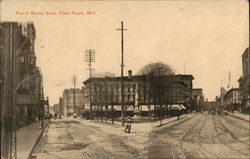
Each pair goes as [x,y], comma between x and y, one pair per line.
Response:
[176,107]
[182,106]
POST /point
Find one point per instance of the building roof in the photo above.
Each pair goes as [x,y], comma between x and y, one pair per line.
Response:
[232,89]
[134,78]
[245,52]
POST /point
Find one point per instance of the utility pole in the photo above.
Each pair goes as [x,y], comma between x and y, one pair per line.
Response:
[159,91]
[90,57]
[122,65]
[74,93]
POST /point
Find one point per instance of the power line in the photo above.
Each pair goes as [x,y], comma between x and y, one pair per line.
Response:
[90,57]
[122,65]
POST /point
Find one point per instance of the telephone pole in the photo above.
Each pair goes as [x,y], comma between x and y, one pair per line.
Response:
[90,57]
[74,93]
[122,65]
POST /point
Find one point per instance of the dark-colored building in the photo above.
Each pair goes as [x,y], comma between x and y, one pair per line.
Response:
[18,40]
[139,91]
[197,99]
[244,81]
[20,79]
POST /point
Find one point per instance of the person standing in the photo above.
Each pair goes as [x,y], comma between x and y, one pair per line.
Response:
[128,125]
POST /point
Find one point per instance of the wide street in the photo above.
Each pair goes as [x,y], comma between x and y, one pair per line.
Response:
[193,136]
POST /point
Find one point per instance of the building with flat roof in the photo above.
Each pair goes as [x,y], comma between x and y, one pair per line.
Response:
[72,101]
[139,91]
[244,81]
[197,99]
[231,99]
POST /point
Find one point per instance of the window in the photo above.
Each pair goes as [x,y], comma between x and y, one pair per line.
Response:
[22,59]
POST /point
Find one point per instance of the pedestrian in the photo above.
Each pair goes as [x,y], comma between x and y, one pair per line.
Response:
[178,114]
[74,115]
[50,116]
[128,125]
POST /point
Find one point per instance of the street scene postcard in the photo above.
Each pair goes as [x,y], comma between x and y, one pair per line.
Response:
[90,79]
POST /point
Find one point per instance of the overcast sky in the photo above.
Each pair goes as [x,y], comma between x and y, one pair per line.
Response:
[210,36]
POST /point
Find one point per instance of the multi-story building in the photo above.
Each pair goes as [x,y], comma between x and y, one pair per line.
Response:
[17,43]
[56,108]
[211,105]
[197,99]
[231,99]
[139,90]
[244,81]
[60,106]
[73,101]
[20,80]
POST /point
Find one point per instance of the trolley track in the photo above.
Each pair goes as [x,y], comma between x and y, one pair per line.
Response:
[218,124]
[194,132]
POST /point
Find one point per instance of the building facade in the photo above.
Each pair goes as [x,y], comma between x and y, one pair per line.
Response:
[244,81]
[21,89]
[18,40]
[72,101]
[197,99]
[139,91]
[60,105]
[231,100]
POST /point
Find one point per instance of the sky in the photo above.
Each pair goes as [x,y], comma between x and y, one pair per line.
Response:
[206,36]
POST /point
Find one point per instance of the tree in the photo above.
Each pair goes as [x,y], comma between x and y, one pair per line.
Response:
[155,73]
[151,69]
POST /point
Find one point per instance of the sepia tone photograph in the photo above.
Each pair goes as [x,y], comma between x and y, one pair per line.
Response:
[90,79]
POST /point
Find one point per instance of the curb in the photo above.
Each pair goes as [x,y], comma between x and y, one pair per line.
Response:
[173,120]
[240,117]
[38,139]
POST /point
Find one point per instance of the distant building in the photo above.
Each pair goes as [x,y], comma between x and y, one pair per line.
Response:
[210,105]
[73,101]
[244,81]
[220,99]
[231,100]
[60,105]
[197,99]
[56,108]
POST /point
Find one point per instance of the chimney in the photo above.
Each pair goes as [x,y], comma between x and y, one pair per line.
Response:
[129,74]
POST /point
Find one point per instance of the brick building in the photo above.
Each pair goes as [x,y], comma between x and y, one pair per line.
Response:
[17,41]
[139,91]
[231,99]
[244,81]
[21,87]
[197,99]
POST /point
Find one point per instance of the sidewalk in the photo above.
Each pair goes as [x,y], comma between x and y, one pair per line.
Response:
[240,116]
[27,137]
